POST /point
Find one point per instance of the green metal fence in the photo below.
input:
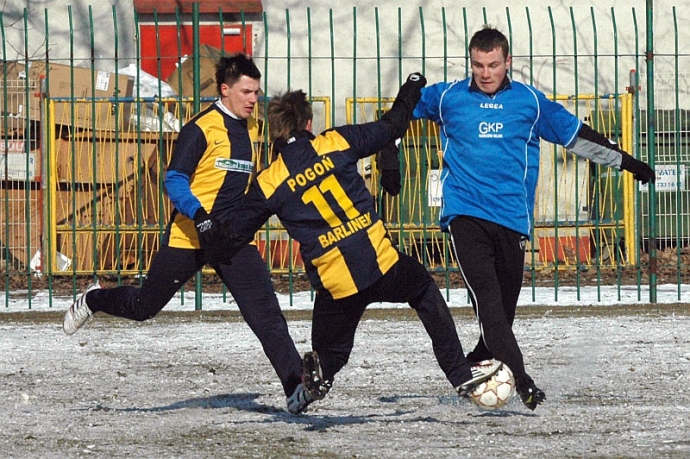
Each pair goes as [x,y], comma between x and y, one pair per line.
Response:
[85,146]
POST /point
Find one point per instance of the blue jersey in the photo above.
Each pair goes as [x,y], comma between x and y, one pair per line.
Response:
[491,148]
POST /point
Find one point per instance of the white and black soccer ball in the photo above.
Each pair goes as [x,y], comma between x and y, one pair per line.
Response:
[496,391]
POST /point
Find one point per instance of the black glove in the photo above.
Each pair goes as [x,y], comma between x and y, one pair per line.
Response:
[400,113]
[640,170]
[390,168]
[411,91]
[210,235]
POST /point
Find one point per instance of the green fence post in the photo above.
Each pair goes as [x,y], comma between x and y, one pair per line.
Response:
[576,83]
[651,145]
[555,164]
[679,209]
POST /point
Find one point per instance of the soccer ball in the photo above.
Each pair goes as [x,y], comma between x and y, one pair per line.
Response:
[496,391]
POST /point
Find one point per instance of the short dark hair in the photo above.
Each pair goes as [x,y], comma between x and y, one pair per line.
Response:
[288,113]
[229,69]
[488,39]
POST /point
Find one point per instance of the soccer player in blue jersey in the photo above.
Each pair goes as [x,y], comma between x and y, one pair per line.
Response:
[209,170]
[314,188]
[490,131]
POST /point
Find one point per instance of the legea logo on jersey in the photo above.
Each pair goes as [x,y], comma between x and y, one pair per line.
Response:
[236,165]
[490,130]
[491,105]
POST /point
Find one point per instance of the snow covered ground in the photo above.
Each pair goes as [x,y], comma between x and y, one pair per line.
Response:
[542,296]
[198,386]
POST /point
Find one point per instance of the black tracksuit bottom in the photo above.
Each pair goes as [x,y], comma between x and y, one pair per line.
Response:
[247,280]
[335,321]
[491,260]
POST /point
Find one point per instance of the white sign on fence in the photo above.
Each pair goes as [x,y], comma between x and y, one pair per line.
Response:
[13,157]
[668,178]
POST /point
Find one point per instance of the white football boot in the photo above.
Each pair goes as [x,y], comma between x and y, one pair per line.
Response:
[79,313]
[300,399]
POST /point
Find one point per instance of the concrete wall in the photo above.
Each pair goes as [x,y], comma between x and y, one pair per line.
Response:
[434,40]
[351,43]
[73,29]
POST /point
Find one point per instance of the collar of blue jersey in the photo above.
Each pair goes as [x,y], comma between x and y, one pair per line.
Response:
[295,135]
[504,85]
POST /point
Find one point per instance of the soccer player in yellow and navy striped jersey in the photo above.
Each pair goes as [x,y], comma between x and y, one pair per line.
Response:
[208,174]
[314,187]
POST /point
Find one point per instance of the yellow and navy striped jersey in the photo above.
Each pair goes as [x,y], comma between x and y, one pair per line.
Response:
[314,188]
[215,151]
